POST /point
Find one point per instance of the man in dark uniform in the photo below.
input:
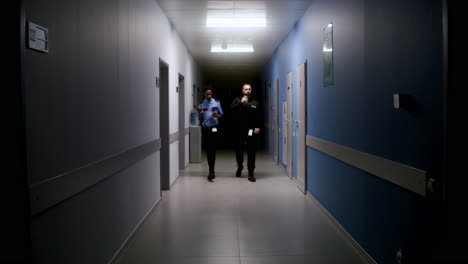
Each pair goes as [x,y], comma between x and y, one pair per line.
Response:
[247,122]
[209,113]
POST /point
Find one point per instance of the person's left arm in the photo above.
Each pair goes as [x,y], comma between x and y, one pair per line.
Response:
[258,117]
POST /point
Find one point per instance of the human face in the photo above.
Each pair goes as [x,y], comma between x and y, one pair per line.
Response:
[246,90]
[208,95]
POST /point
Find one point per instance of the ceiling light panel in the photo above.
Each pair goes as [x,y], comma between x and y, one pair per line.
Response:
[237,14]
[220,5]
[250,13]
[223,13]
[249,4]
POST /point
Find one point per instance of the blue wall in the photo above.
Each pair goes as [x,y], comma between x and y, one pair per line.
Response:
[380,48]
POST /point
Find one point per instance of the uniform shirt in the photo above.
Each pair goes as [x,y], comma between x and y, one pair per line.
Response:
[207,119]
[246,115]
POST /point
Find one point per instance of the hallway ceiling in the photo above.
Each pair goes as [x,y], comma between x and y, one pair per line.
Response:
[191,17]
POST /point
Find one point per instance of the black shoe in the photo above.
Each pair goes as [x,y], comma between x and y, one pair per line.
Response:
[239,171]
[252,177]
[211,176]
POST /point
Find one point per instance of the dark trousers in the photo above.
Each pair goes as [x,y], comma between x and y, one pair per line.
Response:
[210,142]
[250,142]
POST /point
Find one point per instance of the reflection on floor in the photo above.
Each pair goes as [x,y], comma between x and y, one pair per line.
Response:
[232,220]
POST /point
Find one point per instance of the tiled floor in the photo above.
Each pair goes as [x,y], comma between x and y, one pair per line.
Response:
[232,221]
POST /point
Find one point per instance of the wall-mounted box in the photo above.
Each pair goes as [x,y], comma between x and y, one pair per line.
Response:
[401,101]
[38,37]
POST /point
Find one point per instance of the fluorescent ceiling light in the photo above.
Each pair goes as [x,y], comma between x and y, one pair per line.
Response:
[235,22]
[218,47]
[239,14]
[231,13]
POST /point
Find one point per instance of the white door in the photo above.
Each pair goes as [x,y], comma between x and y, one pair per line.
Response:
[285,134]
[270,123]
[275,119]
[300,126]
[289,120]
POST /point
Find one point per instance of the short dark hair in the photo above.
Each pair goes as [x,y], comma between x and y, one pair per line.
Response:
[206,89]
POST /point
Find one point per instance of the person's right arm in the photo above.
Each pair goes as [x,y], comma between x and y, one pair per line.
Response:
[236,104]
[200,113]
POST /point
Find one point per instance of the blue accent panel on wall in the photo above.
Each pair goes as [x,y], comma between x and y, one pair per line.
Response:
[381,47]
[381,216]
[403,54]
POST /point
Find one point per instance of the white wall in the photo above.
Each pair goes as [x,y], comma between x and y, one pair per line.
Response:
[174,52]
[187,149]
[174,166]
[93,96]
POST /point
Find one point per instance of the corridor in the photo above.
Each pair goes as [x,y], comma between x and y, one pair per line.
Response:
[350,96]
[235,221]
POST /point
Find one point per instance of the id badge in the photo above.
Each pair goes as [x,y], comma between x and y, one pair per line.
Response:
[214,130]
[250,132]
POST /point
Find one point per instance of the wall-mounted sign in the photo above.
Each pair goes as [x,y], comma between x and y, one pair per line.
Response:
[38,37]
[328,55]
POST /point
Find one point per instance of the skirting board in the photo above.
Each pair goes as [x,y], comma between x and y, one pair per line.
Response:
[348,238]
[299,185]
[130,237]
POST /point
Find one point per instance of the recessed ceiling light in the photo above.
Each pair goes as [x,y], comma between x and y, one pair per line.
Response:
[231,47]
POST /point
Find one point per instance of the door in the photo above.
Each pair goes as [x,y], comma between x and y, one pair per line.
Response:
[289,119]
[182,116]
[300,126]
[164,123]
[270,123]
[275,120]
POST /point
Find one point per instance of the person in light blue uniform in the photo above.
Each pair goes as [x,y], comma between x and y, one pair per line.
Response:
[210,112]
